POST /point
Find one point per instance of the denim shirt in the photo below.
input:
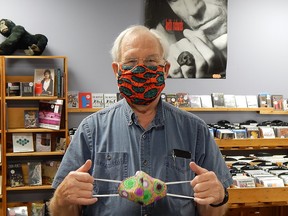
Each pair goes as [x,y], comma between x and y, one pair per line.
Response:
[118,147]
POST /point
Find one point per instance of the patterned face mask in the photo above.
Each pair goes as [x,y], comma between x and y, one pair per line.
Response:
[142,189]
[141,84]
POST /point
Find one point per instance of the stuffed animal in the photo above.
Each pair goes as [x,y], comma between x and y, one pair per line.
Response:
[17,38]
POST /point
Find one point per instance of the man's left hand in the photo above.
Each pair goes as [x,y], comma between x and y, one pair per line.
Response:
[207,187]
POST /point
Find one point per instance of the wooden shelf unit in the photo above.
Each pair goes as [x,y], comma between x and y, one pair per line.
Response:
[21,69]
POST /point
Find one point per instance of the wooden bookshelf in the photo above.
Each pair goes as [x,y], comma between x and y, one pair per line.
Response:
[21,69]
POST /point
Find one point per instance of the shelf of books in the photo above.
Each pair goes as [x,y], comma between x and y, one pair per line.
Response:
[35,127]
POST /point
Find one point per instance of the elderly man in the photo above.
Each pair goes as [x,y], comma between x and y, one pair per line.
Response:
[141,133]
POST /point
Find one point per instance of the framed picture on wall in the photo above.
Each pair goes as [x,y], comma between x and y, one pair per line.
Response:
[198,44]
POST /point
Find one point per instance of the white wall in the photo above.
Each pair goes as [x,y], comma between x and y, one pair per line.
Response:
[84,31]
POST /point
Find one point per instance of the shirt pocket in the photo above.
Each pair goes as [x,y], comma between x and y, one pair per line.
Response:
[177,169]
[111,166]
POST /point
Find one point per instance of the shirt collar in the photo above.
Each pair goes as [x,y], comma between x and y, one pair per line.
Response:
[130,115]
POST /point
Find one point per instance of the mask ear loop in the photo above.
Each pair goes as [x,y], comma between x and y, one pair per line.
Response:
[106,195]
[178,195]
[167,183]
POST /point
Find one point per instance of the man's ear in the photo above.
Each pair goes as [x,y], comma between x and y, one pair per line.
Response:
[166,69]
[115,68]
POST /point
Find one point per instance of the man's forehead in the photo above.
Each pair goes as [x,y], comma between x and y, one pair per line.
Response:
[145,44]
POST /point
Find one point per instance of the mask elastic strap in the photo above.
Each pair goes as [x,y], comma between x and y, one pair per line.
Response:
[106,195]
[180,196]
[177,195]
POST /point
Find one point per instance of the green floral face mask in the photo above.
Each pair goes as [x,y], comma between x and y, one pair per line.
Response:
[143,189]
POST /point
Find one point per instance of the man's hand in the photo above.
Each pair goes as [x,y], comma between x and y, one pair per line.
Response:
[77,187]
[208,59]
[207,188]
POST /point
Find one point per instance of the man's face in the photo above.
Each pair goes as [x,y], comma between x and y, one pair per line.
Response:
[207,15]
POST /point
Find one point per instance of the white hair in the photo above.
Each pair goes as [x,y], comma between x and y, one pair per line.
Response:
[115,51]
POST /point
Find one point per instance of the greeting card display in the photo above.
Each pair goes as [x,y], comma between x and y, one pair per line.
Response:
[22,142]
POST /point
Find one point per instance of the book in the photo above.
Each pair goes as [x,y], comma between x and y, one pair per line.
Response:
[281,131]
[98,100]
[17,211]
[171,98]
[26,89]
[264,99]
[49,169]
[206,101]
[195,101]
[224,134]
[13,89]
[229,101]
[31,119]
[252,132]
[59,83]
[73,101]
[182,99]
[43,142]
[266,132]
[85,99]
[243,181]
[252,101]
[277,102]
[22,142]
[240,133]
[37,209]
[15,174]
[285,104]
[60,144]
[50,112]
[72,132]
[241,101]
[44,82]
[34,173]
[218,99]
[109,99]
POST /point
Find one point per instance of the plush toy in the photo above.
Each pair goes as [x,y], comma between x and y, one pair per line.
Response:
[17,38]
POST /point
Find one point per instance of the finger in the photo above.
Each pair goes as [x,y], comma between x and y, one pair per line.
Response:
[200,62]
[175,70]
[205,47]
[197,169]
[85,167]
[199,34]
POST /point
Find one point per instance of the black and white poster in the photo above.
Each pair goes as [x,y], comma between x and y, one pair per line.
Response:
[196,31]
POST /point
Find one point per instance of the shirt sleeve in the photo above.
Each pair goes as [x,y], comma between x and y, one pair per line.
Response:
[76,155]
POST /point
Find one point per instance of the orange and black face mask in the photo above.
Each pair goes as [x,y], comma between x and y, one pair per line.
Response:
[141,84]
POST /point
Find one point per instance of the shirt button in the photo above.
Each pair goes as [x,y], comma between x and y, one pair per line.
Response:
[145,162]
[144,136]
[108,157]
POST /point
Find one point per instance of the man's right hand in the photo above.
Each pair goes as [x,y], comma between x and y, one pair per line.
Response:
[77,187]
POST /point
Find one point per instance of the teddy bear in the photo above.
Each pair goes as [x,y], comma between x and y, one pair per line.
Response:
[17,38]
